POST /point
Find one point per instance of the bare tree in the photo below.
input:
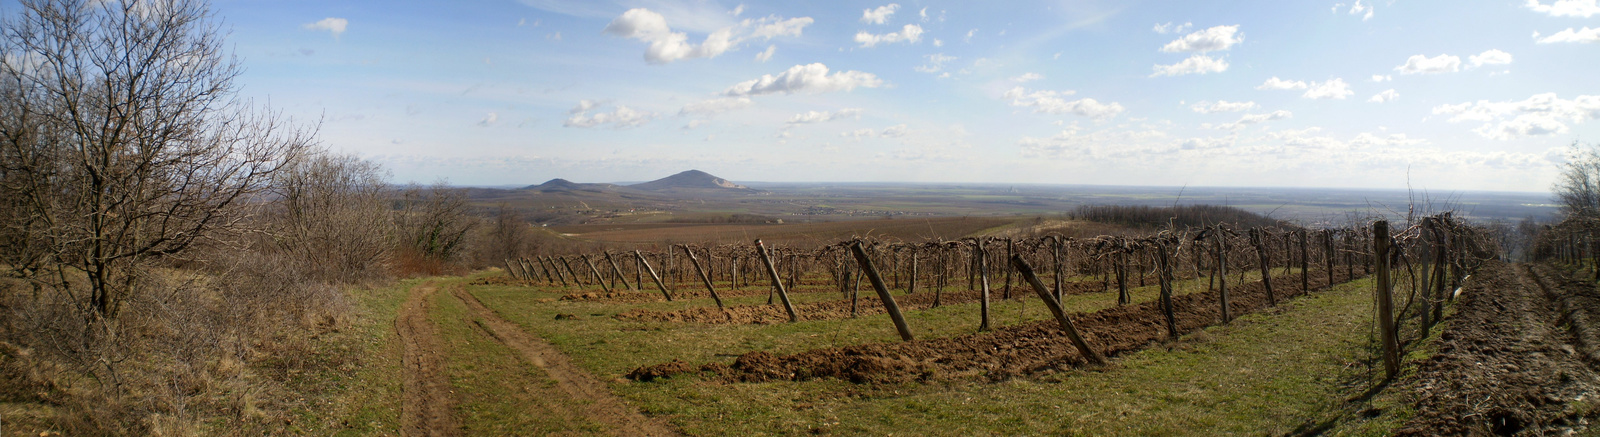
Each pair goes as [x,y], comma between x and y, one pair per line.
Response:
[122,144]
[434,221]
[1578,187]
[332,218]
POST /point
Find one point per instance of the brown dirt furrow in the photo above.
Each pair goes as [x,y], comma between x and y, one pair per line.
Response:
[1005,352]
[429,405]
[591,396]
[1512,360]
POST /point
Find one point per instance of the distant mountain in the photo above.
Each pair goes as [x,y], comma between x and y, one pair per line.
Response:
[693,179]
[559,184]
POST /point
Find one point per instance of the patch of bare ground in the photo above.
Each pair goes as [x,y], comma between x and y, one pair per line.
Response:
[592,397]
[1009,351]
[1517,358]
[429,405]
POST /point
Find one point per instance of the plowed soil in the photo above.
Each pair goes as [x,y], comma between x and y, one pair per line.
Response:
[1013,350]
[1517,358]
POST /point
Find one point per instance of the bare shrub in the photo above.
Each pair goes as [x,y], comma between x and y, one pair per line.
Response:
[331,218]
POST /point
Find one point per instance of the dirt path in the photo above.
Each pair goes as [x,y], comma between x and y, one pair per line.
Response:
[1516,359]
[592,396]
[429,406]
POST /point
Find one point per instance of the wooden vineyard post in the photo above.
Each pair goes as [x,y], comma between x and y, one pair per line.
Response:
[1222,274]
[883,291]
[1266,260]
[618,271]
[571,271]
[1165,266]
[1011,249]
[777,283]
[983,280]
[638,273]
[1327,250]
[1384,295]
[653,275]
[1055,260]
[596,273]
[1305,262]
[1055,309]
[911,285]
[512,272]
[555,268]
[527,266]
[1123,298]
[703,277]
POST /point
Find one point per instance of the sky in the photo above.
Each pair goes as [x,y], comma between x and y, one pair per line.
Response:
[1476,95]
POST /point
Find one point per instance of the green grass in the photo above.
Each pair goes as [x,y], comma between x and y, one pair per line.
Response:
[1264,373]
[498,392]
[366,401]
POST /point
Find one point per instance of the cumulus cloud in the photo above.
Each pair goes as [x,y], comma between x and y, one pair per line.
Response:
[1053,102]
[1027,77]
[911,34]
[1541,114]
[1249,119]
[1420,64]
[1382,78]
[333,25]
[489,119]
[881,14]
[809,117]
[1585,36]
[1205,107]
[1275,83]
[1197,64]
[1490,57]
[715,106]
[1385,96]
[1364,10]
[935,63]
[1168,27]
[620,117]
[858,133]
[667,46]
[895,131]
[1333,89]
[1212,39]
[1566,8]
[809,78]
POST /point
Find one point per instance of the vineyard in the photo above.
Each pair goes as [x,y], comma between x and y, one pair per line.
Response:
[691,332]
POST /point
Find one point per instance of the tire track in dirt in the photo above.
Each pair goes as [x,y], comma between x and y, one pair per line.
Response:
[429,405]
[595,400]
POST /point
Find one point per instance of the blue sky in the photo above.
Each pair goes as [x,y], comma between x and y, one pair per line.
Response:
[1482,95]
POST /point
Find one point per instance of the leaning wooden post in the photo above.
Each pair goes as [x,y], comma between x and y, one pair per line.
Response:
[883,291]
[983,279]
[777,283]
[1166,289]
[596,272]
[618,271]
[1384,294]
[555,268]
[1266,259]
[703,277]
[533,275]
[571,271]
[653,275]
[1055,308]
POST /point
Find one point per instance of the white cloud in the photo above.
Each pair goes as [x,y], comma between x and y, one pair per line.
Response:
[1585,36]
[970,33]
[1565,8]
[924,14]
[824,116]
[858,133]
[333,25]
[737,10]
[668,46]
[1249,119]
[1197,64]
[1205,107]
[1419,64]
[1212,39]
[693,124]
[1279,84]
[1027,77]
[1385,96]
[911,33]
[766,54]
[1541,114]
[1333,89]
[489,119]
[1359,9]
[881,14]
[621,117]
[1382,78]
[1490,57]
[935,63]
[585,106]
[1168,27]
[715,106]
[895,131]
[1052,102]
[809,78]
